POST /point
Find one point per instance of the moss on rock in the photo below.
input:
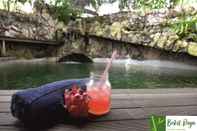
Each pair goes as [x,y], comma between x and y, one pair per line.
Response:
[116,30]
[192,48]
[180,46]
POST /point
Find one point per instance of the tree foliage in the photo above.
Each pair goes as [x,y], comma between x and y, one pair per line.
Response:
[186,26]
[152,4]
[64,10]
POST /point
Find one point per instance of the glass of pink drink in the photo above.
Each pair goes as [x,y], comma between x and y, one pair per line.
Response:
[99,92]
[96,100]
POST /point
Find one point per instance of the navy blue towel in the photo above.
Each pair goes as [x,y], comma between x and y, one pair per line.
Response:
[44,102]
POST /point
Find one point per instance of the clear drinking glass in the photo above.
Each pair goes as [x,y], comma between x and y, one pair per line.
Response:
[99,91]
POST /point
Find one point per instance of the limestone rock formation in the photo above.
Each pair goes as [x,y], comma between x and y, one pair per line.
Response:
[38,26]
[151,29]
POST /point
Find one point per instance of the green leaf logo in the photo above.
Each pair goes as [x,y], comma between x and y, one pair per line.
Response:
[158,123]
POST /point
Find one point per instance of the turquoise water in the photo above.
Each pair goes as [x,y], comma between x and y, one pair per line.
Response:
[133,74]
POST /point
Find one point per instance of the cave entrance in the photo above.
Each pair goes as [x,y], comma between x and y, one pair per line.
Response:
[76,57]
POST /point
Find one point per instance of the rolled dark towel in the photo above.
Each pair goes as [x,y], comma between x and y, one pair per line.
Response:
[43,103]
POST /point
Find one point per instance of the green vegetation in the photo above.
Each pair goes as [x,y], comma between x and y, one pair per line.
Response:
[151,4]
[65,10]
[158,123]
[61,9]
[186,27]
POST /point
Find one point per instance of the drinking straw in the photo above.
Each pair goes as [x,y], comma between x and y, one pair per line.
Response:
[108,66]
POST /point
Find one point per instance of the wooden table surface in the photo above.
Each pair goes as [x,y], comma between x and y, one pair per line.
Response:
[131,109]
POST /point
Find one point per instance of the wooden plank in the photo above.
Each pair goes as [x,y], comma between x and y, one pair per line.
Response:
[24,40]
[132,91]
[129,125]
[143,113]
[130,110]
[5,107]
[124,114]
[147,101]
[151,96]
[7,98]
[7,92]
[134,103]
[158,102]
[154,91]
[6,119]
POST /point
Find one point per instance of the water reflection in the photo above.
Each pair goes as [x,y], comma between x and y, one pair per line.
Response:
[124,74]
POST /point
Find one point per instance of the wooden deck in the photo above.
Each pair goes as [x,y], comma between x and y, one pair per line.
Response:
[30,41]
[130,110]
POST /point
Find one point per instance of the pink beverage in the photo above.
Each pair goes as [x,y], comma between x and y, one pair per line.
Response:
[100,96]
[99,91]
[96,101]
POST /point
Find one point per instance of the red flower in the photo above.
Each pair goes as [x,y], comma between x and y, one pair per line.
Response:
[76,102]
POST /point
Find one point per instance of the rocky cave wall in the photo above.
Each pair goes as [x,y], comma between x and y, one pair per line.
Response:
[38,26]
[146,29]
[99,47]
